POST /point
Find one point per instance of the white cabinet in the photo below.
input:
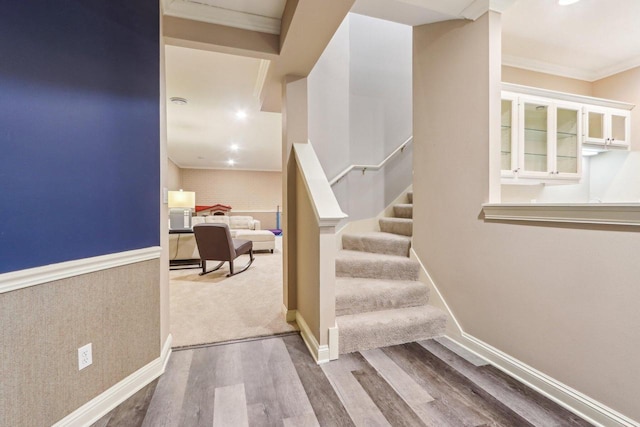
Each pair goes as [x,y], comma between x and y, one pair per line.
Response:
[541,138]
[606,128]
[543,133]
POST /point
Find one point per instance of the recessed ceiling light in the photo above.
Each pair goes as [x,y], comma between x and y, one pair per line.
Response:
[567,2]
[234,147]
[178,101]
[231,162]
[241,114]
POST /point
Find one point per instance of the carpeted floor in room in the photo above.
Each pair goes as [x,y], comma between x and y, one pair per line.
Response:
[215,308]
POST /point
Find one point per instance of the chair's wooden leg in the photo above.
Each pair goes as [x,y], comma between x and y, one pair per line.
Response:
[204,268]
[243,268]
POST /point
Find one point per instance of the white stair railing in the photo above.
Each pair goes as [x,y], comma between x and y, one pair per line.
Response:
[365,168]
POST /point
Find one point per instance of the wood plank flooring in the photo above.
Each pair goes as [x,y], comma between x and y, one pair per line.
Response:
[275,382]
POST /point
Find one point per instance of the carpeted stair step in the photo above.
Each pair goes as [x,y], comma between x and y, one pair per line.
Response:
[375,266]
[410,196]
[377,242]
[357,295]
[375,329]
[402,226]
[404,210]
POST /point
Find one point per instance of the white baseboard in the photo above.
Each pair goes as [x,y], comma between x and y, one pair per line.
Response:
[48,273]
[319,352]
[571,399]
[99,406]
[582,405]
[289,315]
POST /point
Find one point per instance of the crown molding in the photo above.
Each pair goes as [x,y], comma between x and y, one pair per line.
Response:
[547,68]
[479,7]
[216,15]
[569,72]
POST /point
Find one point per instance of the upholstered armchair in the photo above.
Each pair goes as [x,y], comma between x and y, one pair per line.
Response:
[216,244]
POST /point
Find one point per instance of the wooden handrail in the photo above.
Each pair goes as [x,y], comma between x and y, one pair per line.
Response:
[364,168]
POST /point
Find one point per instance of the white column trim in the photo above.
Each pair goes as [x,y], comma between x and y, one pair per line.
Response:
[100,405]
[15,280]
[319,352]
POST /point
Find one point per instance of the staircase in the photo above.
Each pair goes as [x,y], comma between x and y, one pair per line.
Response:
[379,300]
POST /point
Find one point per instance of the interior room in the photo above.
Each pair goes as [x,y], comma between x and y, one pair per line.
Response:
[412,212]
[226,153]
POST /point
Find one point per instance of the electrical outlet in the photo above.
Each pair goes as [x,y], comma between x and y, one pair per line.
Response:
[84,356]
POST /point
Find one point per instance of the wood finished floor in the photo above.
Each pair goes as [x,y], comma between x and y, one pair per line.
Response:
[274,382]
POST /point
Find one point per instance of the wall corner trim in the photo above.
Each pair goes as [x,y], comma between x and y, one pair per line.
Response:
[319,352]
[15,280]
[100,405]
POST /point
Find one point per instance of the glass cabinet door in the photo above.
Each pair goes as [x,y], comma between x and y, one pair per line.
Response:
[535,137]
[567,140]
[595,126]
[619,128]
[506,131]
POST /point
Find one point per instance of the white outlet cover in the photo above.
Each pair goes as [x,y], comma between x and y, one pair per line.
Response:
[85,357]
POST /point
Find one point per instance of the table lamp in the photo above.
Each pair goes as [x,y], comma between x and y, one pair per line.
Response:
[181,203]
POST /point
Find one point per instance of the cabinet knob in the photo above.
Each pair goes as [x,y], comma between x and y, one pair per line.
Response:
[516,170]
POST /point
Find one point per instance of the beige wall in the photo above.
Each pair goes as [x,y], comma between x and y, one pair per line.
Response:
[243,190]
[546,81]
[625,87]
[117,310]
[562,299]
[308,256]
[174,176]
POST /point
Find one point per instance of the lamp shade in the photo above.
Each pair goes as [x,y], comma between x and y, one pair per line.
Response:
[182,199]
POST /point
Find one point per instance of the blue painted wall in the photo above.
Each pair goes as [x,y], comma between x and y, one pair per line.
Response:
[79,129]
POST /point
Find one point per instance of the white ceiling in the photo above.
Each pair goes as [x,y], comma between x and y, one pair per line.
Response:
[587,40]
[217,85]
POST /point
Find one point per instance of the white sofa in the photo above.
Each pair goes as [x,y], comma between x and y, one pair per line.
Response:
[183,246]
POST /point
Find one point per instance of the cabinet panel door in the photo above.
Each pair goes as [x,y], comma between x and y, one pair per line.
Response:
[567,147]
[535,158]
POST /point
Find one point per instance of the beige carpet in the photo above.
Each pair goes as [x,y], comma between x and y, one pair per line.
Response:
[215,308]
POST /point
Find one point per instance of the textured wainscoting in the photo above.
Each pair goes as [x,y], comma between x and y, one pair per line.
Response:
[117,310]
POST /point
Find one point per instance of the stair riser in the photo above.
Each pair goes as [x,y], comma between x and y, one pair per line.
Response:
[403,211]
[378,246]
[377,270]
[367,337]
[402,228]
[367,301]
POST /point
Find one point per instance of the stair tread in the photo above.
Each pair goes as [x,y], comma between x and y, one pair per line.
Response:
[357,295]
[404,205]
[374,329]
[380,235]
[394,219]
